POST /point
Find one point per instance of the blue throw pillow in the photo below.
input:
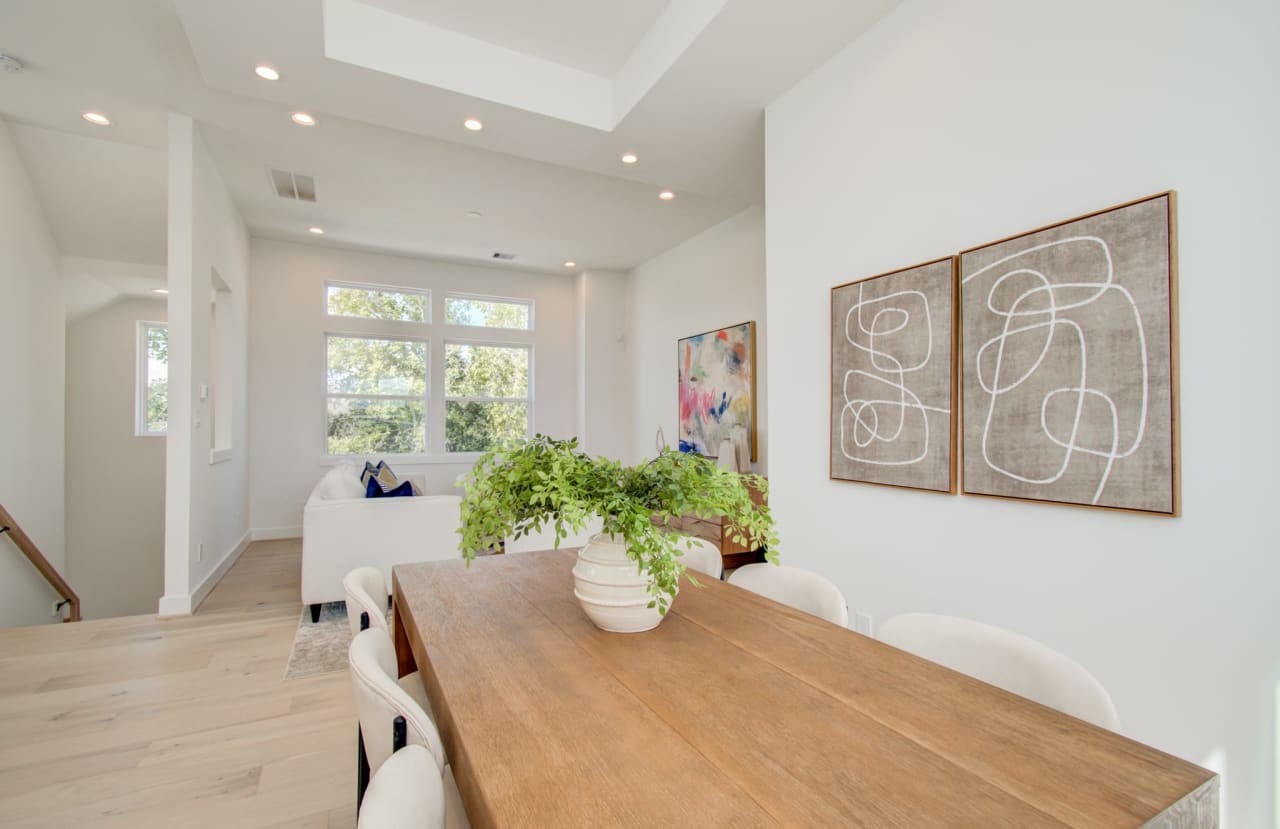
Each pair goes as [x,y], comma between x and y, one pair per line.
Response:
[373,489]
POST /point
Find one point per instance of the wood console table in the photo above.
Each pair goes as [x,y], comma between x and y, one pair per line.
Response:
[732,554]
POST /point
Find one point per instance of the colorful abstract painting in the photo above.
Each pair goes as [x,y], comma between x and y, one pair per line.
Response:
[717,388]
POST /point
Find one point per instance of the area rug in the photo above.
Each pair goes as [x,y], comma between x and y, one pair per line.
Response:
[320,647]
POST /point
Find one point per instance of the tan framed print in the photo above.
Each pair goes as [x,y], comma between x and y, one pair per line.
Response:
[893,383]
[1069,361]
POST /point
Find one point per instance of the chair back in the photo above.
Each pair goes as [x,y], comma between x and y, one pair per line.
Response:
[701,555]
[1008,660]
[366,591]
[802,589]
[380,699]
[406,793]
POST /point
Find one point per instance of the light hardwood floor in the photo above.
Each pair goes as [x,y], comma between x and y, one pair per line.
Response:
[141,722]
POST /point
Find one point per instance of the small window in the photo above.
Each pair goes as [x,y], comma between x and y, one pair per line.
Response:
[374,303]
[153,379]
[486,396]
[488,313]
[376,400]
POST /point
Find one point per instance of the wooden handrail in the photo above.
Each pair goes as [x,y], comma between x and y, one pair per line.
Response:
[28,547]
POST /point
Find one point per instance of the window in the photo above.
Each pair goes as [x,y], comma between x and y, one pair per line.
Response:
[486,395]
[488,313]
[152,406]
[374,303]
[376,395]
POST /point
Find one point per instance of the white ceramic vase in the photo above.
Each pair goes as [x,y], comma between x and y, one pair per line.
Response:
[611,589]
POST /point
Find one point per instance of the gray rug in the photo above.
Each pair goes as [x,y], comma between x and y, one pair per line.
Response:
[320,647]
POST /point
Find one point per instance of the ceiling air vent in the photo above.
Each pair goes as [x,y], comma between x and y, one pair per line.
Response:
[293,185]
[505,257]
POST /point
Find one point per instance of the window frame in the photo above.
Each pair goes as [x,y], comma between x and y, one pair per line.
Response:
[328,395]
[446,398]
[377,288]
[506,300]
[142,380]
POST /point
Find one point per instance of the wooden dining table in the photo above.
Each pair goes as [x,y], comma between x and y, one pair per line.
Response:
[738,711]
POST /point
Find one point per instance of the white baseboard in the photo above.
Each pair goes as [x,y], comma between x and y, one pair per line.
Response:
[275,533]
[186,605]
[215,575]
[175,606]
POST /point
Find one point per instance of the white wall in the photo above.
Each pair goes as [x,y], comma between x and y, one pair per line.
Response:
[207,512]
[287,383]
[710,281]
[604,367]
[115,479]
[32,343]
[953,124]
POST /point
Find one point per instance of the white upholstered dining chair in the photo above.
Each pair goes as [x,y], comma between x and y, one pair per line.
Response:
[406,793]
[1008,660]
[802,589]
[701,555]
[384,707]
[366,591]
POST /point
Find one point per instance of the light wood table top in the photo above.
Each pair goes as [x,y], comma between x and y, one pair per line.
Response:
[737,711]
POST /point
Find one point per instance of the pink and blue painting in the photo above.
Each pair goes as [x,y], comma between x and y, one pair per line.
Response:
[717,388]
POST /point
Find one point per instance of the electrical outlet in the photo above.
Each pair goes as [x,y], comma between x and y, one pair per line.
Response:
[200,552]
[862,624]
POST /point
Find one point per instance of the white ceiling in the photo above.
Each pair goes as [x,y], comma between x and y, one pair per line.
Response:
[395,170]
[91,284]
[588,35]
[103,199]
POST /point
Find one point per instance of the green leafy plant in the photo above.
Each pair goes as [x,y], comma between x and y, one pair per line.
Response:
[529,484]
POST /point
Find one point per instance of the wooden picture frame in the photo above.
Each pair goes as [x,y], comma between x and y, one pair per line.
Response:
[716,388]
[893,392]
[1043,422]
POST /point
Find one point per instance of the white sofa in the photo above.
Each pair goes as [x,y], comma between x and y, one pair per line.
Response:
[342,530]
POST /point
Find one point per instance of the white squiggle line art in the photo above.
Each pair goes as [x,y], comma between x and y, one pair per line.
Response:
[899,400]
[1050,322]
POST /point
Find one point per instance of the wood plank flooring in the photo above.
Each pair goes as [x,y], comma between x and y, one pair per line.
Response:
[142,722]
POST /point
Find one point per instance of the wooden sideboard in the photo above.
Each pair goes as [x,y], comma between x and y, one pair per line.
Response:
[715,530]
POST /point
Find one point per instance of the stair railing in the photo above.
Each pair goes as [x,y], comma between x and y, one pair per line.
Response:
[28,547]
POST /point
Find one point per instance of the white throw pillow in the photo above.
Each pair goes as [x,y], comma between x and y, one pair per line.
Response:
[343,481]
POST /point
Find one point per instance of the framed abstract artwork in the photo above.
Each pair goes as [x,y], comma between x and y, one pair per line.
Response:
[717,388]
[893,378]
[1069,343]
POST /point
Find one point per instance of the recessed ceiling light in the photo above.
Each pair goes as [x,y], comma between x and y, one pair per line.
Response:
[302,119]
[267,73]
[97,118]
[630,158]
[666,195]
[473,124]
[159,290]
[474,214]
[318,231]
[571,264]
